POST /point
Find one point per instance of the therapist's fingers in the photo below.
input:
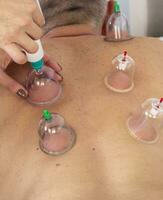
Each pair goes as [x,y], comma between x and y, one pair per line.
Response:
[17,18]
[15,52]
[51,63]
[37,16]
[26,43]
[5,59]
[55,66]
[12,85]
[34,31]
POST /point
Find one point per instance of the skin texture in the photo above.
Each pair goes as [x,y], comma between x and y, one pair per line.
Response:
[106,162]
[73,30]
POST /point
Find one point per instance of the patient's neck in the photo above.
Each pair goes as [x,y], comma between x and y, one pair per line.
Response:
[73,30]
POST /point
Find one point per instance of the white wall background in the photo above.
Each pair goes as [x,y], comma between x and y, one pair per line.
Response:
[145,16]
[138,17]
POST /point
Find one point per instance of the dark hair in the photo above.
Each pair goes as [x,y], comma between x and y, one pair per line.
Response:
[66,12]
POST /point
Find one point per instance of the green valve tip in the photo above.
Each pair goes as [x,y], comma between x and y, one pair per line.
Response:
[116,7]
[47,115]
[38,65]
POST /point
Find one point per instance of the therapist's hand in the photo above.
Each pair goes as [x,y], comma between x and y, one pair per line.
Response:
[20,22]
[14,86]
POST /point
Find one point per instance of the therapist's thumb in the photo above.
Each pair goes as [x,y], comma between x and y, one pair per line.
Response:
[12,85]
